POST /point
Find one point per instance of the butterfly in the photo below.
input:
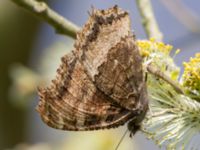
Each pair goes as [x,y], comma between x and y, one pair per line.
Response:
[100,84]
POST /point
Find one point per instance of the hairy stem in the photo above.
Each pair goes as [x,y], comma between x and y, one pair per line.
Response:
[148,19]
[59,23]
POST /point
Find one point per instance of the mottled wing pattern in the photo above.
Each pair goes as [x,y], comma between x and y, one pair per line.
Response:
[120,75]
[99,85]
[110,56]
[72,101]
[104,30]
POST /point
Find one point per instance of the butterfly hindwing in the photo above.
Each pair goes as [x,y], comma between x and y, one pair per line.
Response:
[72,102]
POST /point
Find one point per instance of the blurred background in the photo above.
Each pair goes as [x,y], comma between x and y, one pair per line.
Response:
[30,52]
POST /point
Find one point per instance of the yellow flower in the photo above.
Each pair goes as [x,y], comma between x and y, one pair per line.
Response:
[191,75]
[153,46]
[153,51]
[173,118]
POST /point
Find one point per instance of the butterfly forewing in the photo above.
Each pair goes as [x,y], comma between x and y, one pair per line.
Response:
[108,51]
[103,30]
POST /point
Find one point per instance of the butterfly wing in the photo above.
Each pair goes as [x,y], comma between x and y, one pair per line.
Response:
[72,102]
[111,58]
[120,75]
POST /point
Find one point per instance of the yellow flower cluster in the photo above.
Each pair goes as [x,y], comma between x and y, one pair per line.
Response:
[154,52]
[191,75]
[174,117]
[151,46]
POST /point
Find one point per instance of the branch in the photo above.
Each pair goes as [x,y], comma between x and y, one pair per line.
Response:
[148,19]
[40,9]
[151,69]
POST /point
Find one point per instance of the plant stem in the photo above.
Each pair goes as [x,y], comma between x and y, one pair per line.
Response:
[152,30]
[40,9]
[148,19]
[151,69]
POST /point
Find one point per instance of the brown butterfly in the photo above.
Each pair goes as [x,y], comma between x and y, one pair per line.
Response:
[100,84]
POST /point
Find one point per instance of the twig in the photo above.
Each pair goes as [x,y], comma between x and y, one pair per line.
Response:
[151,69]
[61,25]
[148,19]
[152,30]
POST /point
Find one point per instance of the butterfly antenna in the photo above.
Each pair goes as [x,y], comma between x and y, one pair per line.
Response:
[121,139]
